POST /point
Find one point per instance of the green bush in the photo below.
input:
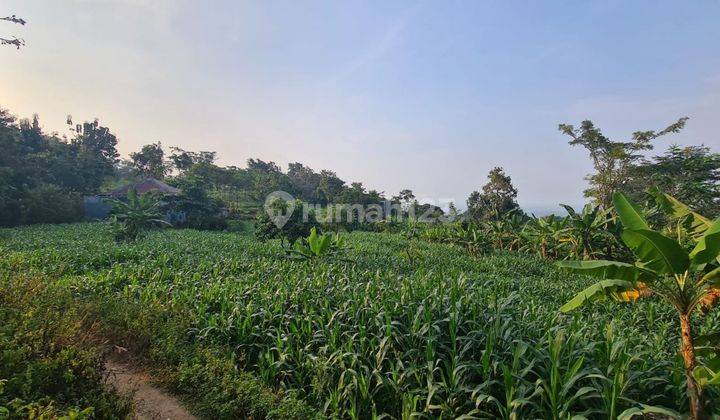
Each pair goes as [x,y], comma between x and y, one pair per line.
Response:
[292,230]
[45,369]
[50,204]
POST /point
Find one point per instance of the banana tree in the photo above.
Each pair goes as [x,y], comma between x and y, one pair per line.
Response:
[685,224]
[505,232]
[544,236]
[663,268]
[588,230]
[140,212]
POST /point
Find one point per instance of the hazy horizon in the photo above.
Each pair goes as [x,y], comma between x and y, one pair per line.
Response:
[396,95]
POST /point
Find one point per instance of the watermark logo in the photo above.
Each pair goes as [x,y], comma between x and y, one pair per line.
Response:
[280,206]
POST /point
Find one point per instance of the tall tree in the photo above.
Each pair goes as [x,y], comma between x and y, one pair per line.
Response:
[330,186]
[150,161]
[690,174]
[182,160]
[498,197]
[95,149]
[612,160]
[304,181]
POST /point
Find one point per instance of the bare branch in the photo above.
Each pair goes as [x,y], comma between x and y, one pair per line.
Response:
[14,19]
[17,42]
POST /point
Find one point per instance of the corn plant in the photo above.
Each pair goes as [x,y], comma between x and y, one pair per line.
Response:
[664,268]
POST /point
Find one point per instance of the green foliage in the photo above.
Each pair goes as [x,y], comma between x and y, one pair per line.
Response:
[292,229]
[149,161]
[544,236]
[496,200]
[130,218]
[42,176]
[318,246]
[201,210]
[46,371]
[49,203]
[383,335]
[614,161]
[664,267]
[470,237]
[691,174]
[590,233]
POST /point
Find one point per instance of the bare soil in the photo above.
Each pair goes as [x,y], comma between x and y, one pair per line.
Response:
[149,401]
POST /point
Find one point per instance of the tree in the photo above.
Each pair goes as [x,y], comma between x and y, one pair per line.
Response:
[183,160]
[329,187]
[266,178]
[497,198]
[16,42]
[590,231]
[294,228]
[304,181]
[93,147]
[405,197]
[663,268]
[612,160]
[149,161]
[690,174]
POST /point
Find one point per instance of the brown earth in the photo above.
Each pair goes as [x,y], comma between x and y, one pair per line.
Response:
[149,402]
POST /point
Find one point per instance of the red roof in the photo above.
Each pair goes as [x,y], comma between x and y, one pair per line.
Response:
[148,185]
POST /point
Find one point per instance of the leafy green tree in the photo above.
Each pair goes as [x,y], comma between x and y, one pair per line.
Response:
[329,187]
[544,236]
[304,181]
[690,174]
[664,268]
[498,198]
[293,229]
[589,232]
[405,198]
[613,160]
[38,169]
[149,162]
[266,177]
[94,149]
[183,160]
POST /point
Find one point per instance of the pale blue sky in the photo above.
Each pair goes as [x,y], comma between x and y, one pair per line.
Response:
[425,95]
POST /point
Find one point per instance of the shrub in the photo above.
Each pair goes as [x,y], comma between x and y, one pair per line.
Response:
[50,204]
[292,230]
[46,371]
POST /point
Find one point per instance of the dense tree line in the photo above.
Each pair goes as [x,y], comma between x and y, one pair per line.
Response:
[44,176]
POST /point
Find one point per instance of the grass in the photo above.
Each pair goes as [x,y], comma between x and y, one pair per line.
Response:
[239,330]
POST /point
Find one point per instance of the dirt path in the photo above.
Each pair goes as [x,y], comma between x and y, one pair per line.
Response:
[149,402]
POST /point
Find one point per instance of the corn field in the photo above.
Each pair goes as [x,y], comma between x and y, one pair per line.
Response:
[377,335]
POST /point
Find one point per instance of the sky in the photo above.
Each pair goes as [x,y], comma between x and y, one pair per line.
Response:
[426,95]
